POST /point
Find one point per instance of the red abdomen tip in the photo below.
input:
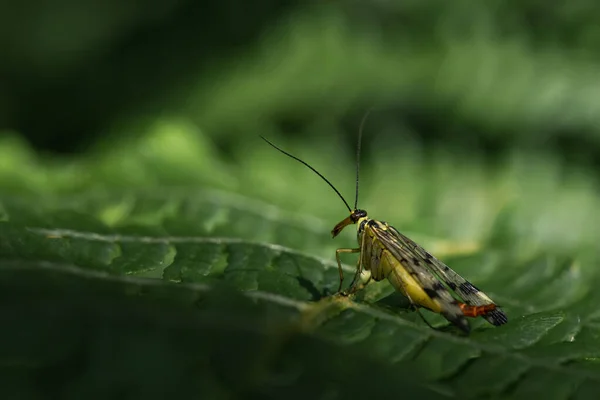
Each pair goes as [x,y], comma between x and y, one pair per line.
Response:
[476,311]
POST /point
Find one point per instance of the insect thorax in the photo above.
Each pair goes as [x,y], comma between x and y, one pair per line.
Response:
[372,223]
[360,228]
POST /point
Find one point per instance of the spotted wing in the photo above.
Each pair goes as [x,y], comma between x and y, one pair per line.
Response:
[427,280]
[470,294]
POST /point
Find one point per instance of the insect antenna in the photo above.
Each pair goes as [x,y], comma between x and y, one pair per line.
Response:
[314,170]
[360,131]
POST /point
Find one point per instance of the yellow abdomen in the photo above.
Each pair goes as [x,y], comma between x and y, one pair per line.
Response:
[404,282]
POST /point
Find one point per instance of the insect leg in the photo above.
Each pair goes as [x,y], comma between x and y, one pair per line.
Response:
[364,285]
[359,266]
[421,315]
[414,305]
[339,261]
[352,288]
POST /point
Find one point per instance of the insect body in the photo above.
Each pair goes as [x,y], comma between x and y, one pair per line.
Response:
[422,278]
[415,273]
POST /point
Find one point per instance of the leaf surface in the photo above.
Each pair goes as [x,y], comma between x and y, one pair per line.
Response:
[207,290]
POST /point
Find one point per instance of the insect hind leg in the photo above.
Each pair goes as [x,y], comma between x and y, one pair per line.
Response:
[415,306]
[339,262]
[418,310]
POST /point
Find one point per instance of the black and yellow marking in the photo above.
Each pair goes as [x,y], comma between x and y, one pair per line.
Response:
[422,278]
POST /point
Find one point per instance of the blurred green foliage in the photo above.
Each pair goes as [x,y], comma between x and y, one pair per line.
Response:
[180,255]
[495,73]
[146,245]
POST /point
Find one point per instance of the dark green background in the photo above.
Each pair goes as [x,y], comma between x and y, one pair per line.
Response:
[496,73]
[152,246]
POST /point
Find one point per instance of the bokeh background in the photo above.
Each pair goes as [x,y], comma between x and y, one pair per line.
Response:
[129,132]
[476,106]
[496,74]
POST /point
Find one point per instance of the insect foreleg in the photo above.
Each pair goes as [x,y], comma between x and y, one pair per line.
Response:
[363,285]
[352,288]
[359,267]
[339,261]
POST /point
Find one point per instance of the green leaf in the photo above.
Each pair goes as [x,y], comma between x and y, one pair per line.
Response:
[159,339]
[292,281]
[187,289]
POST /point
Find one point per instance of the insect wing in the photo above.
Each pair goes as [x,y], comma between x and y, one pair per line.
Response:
[428,281]
[470,294]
